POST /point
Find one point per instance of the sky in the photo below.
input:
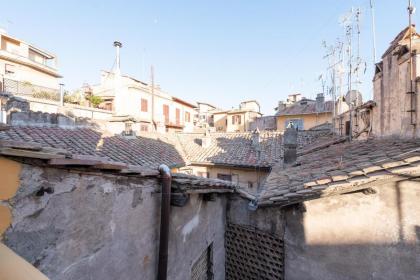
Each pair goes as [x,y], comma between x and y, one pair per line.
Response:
[220,51]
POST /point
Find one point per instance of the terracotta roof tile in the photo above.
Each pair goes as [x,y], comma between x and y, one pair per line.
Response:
[233,148]
[175,150]
[149,151]
[308,108]
[341,168]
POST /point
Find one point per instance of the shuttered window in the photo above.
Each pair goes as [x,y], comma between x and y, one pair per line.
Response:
[177,116]
[166,113]
[144,105]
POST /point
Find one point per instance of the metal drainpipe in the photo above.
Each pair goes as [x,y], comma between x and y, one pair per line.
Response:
[165,173]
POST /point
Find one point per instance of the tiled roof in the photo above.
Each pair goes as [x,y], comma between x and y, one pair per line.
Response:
[233,148]
[150,150]
[60,158]
[308,108]
[340,168]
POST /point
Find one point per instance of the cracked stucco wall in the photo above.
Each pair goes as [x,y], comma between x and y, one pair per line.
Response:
[107,227]
[356,236]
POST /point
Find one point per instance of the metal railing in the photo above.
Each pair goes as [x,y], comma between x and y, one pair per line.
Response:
[28,89]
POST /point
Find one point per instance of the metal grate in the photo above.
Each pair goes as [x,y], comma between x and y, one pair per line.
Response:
[253,254]
[203,266]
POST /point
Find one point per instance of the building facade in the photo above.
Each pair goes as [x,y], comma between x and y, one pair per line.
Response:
[26,69]
[150,107]
[237,120]
[396,111]
[305,113]
[205,115]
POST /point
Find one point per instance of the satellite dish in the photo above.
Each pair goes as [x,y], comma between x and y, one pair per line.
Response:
[354,98]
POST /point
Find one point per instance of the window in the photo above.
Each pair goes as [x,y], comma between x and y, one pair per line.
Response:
[166,113]
[177,116]
[236,119]
[187,117]
[144,127]
[108,106]
[347,124]
[128,130]
[250,184]
[35,56]
[9,69]
[226,177]
[144,105]
[297,123]
[202,268]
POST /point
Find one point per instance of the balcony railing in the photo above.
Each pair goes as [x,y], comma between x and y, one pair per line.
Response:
[28,89]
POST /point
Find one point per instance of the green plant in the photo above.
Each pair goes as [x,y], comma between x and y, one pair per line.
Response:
[46,95]
[27,84]
[94,100]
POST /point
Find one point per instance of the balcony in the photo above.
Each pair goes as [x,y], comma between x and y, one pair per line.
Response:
[27,89]
[176,124]
[23,60]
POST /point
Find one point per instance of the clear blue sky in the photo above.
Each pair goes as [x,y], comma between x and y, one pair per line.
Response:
[217,51]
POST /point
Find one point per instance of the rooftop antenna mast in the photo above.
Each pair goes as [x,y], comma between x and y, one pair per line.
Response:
[347,22]
[412,92]
[359,62]
[332,55]
[372,13]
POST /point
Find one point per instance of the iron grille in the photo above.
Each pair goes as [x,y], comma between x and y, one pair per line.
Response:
[253,254]
[203,266]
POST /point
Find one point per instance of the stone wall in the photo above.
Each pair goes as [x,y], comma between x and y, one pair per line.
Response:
[98,226]
[391,116]
[356,236]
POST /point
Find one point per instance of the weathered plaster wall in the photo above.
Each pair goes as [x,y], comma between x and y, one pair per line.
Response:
[9,174]
[268,219]
[391,116]
[107,227]
[240,176]
[356,236]
[193,228]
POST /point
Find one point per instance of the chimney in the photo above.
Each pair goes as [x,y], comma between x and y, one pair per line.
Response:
[290,145]
[206,140]
[61,94]
[256,139]
[320,102]
[117,46]
[281,105]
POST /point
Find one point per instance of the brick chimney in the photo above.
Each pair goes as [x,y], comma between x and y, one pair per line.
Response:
[320,102]
[290,145]
[281,105]
[256,139]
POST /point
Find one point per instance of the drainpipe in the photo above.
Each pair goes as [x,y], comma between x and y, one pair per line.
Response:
[165,173]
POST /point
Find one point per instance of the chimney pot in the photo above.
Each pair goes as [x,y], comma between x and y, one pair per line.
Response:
[290,145]
[206,140]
